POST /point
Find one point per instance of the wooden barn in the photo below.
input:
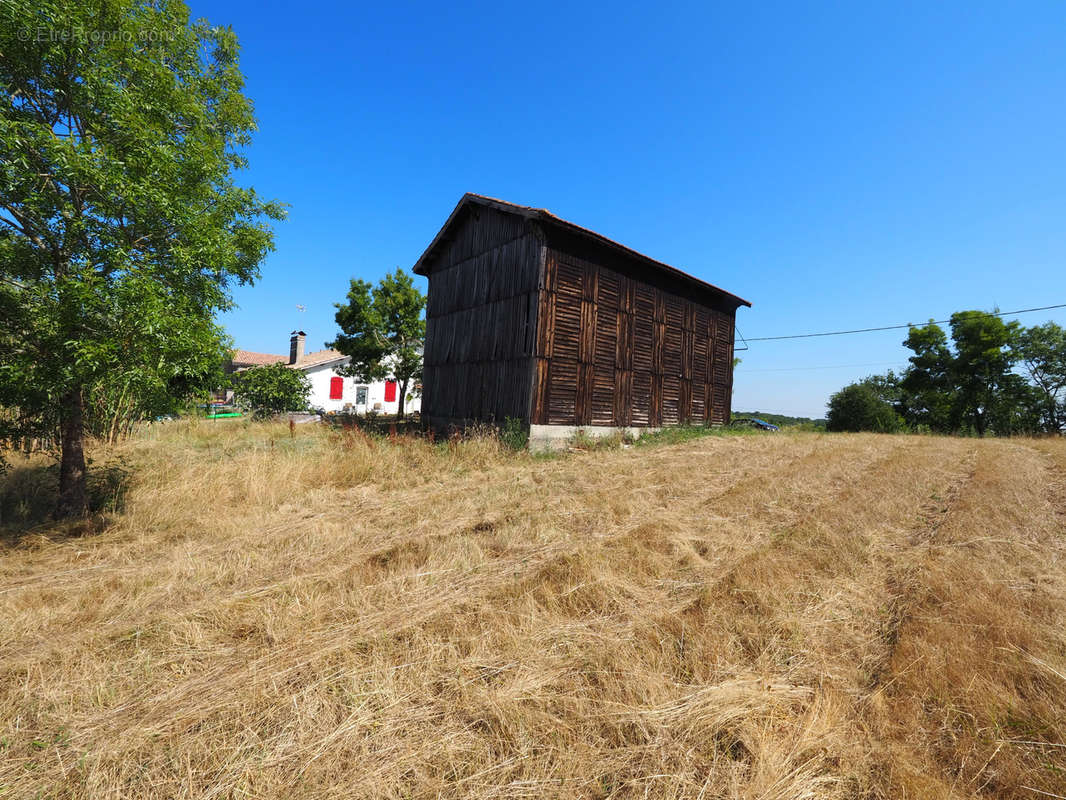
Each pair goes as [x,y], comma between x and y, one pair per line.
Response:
[532,317]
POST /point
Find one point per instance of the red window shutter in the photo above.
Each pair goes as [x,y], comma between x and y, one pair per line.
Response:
[390,391]
[336,388]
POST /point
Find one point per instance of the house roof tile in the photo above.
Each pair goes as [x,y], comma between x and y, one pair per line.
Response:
[246,358]
[318,357]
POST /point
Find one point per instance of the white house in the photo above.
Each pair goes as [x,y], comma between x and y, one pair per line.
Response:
[331,391]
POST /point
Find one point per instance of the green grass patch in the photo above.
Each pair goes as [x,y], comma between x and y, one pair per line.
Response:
[679,434]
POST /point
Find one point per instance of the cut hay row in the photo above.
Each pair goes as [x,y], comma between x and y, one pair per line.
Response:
[773,617]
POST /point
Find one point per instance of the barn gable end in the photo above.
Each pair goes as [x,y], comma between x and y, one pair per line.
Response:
[480,318]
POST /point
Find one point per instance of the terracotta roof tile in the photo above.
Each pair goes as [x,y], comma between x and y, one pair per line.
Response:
[317,357]
[246,358]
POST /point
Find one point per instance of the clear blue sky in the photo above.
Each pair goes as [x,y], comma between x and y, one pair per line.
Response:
[839,165]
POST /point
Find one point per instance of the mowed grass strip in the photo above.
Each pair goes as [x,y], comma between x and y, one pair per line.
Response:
[759,616]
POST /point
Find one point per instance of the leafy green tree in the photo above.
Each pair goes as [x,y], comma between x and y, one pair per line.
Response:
[1016,408]
[857,407]
[271,390]
[887,388]
[981,367]
[927,387]
[161,368]
[121,226]
[383,330]
[971,385]
[1041,350]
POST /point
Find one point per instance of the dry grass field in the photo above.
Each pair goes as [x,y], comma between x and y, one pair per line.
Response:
[780,616]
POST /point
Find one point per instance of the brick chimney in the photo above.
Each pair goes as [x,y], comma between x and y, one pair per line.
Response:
[296,346]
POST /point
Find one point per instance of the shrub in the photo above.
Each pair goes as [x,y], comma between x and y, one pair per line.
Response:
[272,390]
[857,407]
[514,434]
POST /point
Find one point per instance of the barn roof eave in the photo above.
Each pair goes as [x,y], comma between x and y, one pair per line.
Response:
[548,218]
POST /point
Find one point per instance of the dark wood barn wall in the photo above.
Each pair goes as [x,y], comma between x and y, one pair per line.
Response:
[614,350]
[481,321]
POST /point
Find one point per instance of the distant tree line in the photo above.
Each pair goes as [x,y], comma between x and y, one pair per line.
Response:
[989,377]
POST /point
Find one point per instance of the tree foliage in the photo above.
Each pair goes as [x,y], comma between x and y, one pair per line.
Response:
[858,407]
[990,376]
[980,368]
[121,227]
[271,390]
[928,384]
[1042,353]
[383,330]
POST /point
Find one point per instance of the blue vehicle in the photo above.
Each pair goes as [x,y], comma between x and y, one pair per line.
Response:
[754,422]
[762,424]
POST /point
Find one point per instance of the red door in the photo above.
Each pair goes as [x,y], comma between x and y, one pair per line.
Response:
[390,391]
[336,388]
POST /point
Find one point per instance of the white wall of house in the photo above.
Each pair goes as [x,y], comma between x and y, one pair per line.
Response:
[352,399]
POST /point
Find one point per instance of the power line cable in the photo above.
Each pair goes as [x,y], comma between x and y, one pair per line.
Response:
[894,327]
[828,366]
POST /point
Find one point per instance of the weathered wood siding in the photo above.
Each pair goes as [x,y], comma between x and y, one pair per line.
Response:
[481,321]
[612,349]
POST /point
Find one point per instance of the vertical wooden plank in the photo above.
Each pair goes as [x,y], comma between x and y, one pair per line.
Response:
[605,384]
[541,387]
[623,362]
[640,397]
[587,351]
[587,356]
[658,332]
[730,321]
[655,410]
[722,367]
[590,282]
[583,402]
[712,397]
[623,393]
[688,315]
[545,324]
[686,354]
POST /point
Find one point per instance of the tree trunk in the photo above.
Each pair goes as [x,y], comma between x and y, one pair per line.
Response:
[1054,420]
[403,399]
[72,497]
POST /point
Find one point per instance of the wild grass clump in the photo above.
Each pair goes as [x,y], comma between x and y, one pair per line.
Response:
[586,442]
[514,434]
